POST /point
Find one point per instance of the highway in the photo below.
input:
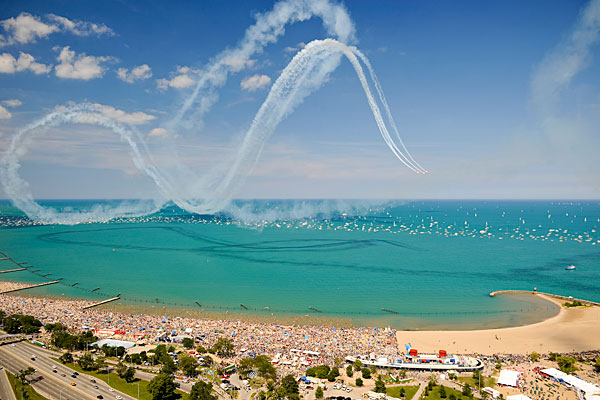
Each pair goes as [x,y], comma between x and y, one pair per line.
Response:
[55,385]
[6,392]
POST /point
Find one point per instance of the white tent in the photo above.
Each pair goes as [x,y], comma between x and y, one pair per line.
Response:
[591,391]
[508,378]
[492,392]
[518,397]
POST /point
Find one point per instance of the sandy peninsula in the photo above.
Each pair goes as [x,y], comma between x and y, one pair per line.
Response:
[571,330]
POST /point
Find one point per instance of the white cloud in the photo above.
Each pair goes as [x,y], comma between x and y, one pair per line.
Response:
[138,73]
[81,28]
[255,82]
[237,63]
[181,80]
[79,66]
[291,49]
[4,114]
[134,118]
[10,65]
[159,132]
[12,102]
[27,28]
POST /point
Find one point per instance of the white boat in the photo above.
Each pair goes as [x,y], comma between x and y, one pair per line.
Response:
[570,267]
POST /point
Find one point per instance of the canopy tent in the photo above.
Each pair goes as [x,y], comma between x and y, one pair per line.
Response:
[592,392]
[508,378]
[518,397]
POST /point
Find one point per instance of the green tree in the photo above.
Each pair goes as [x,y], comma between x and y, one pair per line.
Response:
[534,356]
[597,365]
[566,364]
[319,392]
[162,387]
[373,369]
[379,386]
[86,362]
[452,397]
[467,391]
[442,391]
[498,365]
[321,371]
[121,369]
[55,327]
[22,375]
[553,356]
[333,373]
[202,391]
[288,388]
[402,392]
[349,371]
[366,373]
[129,375]
[207,360]
[167,364]
[357,365]
[224,347]
[188,365]
[261,365]
[66,358]
[358,382]
[187,342]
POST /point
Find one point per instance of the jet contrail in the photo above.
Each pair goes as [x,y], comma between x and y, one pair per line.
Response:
[212,192]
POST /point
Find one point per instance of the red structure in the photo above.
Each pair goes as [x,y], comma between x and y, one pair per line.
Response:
[413,352]
[443,353]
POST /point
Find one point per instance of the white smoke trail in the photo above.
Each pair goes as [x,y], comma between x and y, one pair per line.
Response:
[208,193]
[560,66]
[266,30]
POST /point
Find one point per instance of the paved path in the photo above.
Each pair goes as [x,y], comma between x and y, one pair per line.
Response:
[6,392]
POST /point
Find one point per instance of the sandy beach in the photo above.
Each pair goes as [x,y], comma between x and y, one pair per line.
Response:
[571,330]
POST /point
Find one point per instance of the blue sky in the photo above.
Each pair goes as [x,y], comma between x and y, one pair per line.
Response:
[495,99]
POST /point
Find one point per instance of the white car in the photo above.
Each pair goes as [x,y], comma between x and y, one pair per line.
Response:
[119,397]
[111,390]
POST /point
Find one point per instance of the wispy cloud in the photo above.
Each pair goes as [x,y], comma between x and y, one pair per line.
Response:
[12,102]
[558,68]
[27,28]
[138,73]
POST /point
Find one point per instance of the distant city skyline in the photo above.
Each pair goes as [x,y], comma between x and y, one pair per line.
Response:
[497,100]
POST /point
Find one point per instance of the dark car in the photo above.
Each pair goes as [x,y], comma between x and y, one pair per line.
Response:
[99,396]
[93,380]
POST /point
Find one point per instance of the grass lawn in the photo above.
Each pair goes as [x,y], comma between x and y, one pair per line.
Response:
[121,385]
[474,383]
[19,388]
[394,391]
[434,394]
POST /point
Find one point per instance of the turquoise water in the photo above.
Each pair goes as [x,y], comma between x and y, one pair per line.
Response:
[433,263]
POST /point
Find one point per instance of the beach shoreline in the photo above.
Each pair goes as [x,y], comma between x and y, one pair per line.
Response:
[570,330]
[124,305]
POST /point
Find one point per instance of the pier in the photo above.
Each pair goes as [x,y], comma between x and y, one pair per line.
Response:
[534,292]
[314,309]
[6,271]
[30,287]
[389,311]
[243,306]
[118,297]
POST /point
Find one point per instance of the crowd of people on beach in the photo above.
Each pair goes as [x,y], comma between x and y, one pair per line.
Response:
[248,337]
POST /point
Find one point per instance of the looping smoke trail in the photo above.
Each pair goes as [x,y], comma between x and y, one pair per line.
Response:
[306,73]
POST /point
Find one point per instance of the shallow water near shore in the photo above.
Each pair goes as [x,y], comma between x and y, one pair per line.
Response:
[415,265]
